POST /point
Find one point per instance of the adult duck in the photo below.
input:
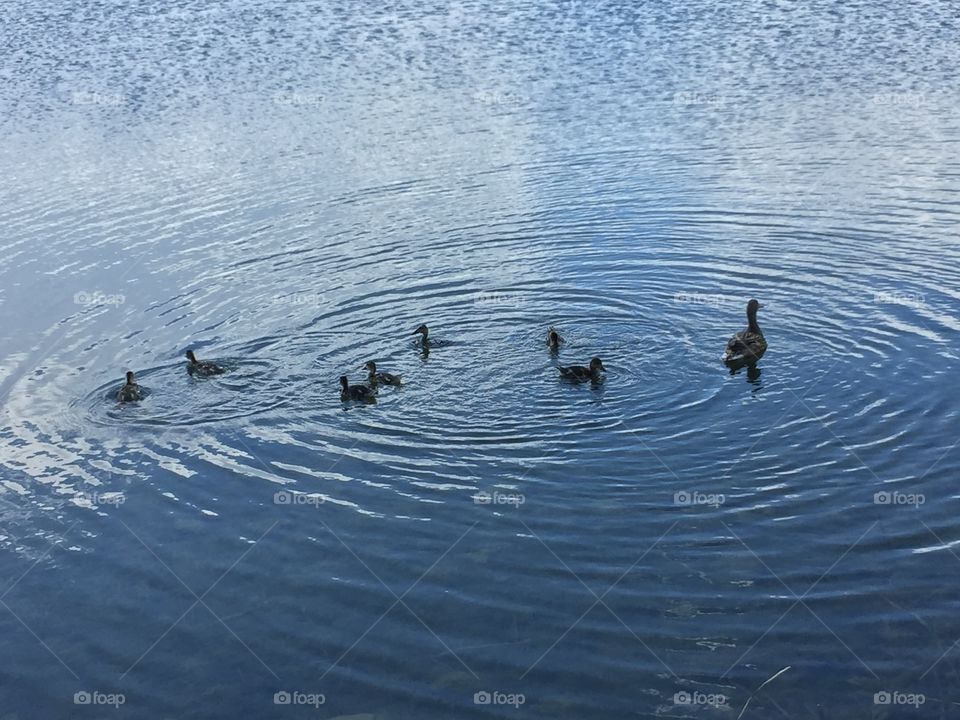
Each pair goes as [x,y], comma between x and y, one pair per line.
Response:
[131,391]
[354,392]
[579,372]
[202,367]
[747,345]
[374,377]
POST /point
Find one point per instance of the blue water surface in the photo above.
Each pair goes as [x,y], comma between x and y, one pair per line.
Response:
[291,188]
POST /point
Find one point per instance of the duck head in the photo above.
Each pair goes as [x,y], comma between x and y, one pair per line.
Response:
[553,338]
[191,357]
[596,365]
[423,330]
[130,377]
[343,382]
[371,366]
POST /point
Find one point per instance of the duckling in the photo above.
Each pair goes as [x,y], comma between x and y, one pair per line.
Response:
[579,372]
[425,335]
[375,377]
[553,339]
[129,392]
[425,342]
[747,345]
[202,367]
[354,392]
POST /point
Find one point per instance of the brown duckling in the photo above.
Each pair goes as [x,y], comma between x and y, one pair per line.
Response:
[579,372]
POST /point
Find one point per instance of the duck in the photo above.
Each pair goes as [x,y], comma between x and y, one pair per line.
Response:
[579,372]
[553,339]
[131,391]
[425,342]
[749,344]
[375,377]
[202,367]
[354,392]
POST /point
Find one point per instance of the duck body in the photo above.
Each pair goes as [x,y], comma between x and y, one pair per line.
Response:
[747,345]
[354,392]
[581,373]
[380,378]
[201,367]
[130,392]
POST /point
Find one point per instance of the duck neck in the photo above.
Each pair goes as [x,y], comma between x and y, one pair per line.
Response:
[752,325]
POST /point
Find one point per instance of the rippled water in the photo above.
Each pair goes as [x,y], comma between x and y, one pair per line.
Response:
[290,189]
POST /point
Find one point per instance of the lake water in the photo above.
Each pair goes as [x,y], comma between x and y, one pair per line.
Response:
[291,188]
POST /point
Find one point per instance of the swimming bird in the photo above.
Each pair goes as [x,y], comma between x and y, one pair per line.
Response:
[375,377]
[354,392]
[579,372]
[747,345]
[553,339]
[129,392]
[202,367]
[424,336]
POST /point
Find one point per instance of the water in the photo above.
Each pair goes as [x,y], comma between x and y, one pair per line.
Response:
[291,189]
